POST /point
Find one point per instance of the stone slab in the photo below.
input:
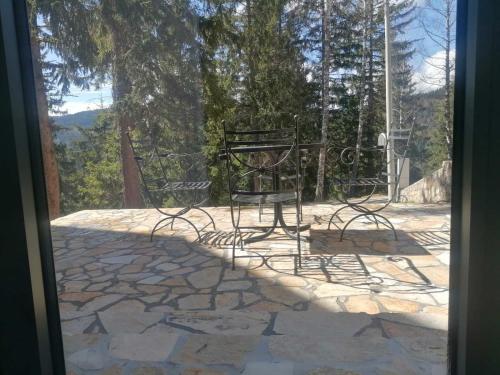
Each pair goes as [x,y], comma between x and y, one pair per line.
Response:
[225,323]
[123,259]
[320,324]
[206,278]
[216,350]
[328,351]
[275,368]
[116,322]
[153,347]
[88,359]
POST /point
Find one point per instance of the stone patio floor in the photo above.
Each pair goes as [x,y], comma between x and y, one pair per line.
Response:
[367,305]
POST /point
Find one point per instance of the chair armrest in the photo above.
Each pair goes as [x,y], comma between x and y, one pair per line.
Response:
[345,155]
[173,155]
[364,149]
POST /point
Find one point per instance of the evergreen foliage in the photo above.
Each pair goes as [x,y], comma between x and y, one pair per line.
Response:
[179,68]
[90,168]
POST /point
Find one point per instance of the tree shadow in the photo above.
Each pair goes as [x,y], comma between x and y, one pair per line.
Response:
[109,278]
[376,241]
[343,264]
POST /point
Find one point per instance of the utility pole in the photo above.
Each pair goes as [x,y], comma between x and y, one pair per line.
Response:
[391,170]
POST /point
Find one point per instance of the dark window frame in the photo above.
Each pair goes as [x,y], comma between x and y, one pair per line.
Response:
[31,249]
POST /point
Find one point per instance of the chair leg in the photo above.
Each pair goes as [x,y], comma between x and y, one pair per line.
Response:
[368,215]
[390,225]
[206,213]
[155,228]
[177,216]
[299,249]
[301,209]
[187,221]
[336,214]
[234,250]
[261,208]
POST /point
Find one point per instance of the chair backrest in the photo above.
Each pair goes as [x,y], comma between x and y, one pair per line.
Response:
[341,163]
[160,167]
[260,145]
[345,157]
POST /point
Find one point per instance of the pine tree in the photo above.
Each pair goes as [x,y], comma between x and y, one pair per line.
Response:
[90,173]
[50,165]
[53,78]
[438,23]
[358,78]
[252,66]
[180,68]
[147,49]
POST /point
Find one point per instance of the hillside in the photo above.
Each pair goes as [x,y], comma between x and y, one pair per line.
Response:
[67,125]
[425,104]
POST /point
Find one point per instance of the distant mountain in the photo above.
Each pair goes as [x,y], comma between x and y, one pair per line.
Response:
[67,125]
[426,104]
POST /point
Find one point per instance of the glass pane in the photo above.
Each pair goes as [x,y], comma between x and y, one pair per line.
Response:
[186,143]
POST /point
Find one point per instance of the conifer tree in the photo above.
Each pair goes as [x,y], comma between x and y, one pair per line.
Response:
[438,22]
[53,78]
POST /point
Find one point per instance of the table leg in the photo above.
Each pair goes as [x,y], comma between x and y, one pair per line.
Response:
[291,230]
[269,231]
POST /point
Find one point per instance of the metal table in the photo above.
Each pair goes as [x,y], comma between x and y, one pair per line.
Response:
[278,220]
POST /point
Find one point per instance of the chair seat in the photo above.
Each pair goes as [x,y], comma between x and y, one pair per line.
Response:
[282,178]
[263,198]
[360,181]
[185,185]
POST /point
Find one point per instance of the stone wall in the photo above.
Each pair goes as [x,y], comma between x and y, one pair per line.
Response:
[431,189]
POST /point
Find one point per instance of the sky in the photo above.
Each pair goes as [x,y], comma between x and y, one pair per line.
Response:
[84,100]
[429,56]
[427,76]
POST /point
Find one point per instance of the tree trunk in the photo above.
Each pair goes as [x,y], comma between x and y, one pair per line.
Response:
[444,39]
[50,167]
[251,59]
[448,92]
[366,93]
[370,118]
[131,186]
[325,77]
[121,89]
[370,82]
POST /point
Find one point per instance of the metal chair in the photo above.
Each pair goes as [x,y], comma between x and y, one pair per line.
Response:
[276,137]
[350,185]
[175,176]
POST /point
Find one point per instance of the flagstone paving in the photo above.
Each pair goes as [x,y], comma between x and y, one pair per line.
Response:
[366,305]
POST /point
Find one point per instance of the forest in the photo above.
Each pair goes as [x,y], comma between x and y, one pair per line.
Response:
[178,68]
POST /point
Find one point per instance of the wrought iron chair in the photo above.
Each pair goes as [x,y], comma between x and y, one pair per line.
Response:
[349,186]
[175,176]
[243,153]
